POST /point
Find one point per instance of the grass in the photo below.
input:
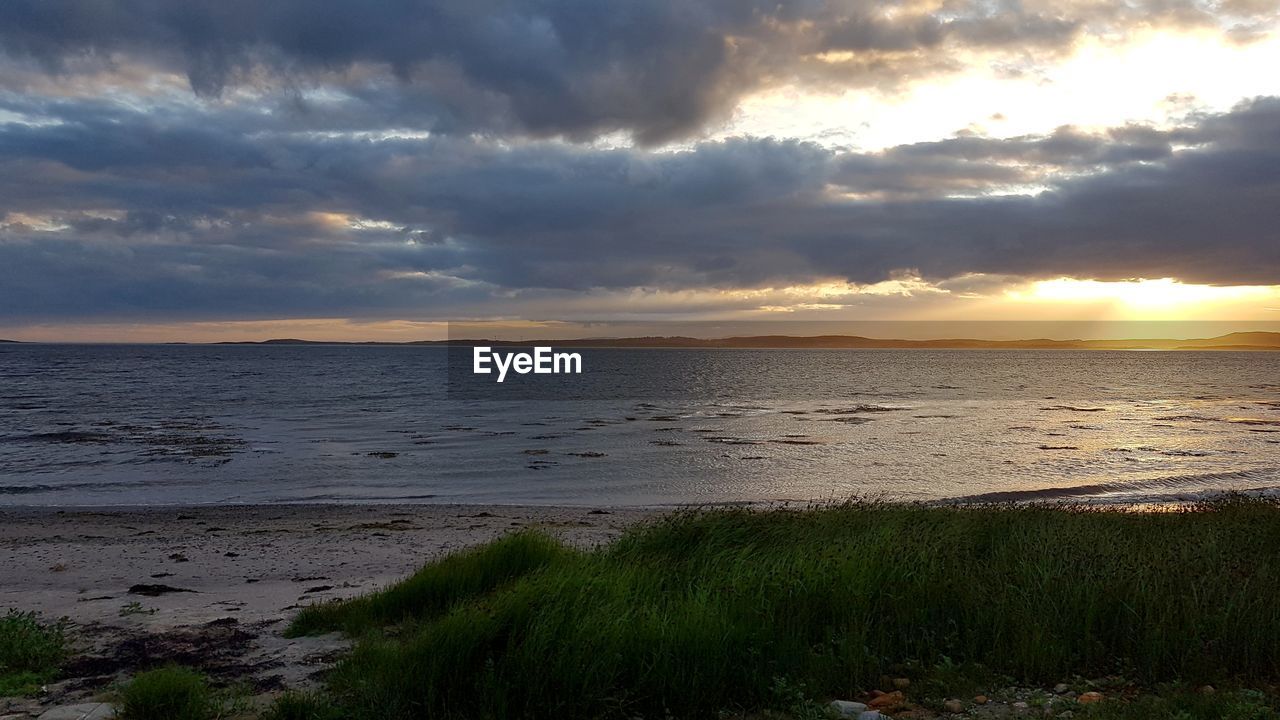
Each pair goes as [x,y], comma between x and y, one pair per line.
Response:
[437,587]
[169,693]
[1183,705]
[715,611]
[303,706]
[135,608]
[30,652]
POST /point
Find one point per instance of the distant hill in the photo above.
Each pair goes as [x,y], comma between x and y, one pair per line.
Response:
[1231,341]
[1240,339]
[279,341]
[10,341]
[295,341]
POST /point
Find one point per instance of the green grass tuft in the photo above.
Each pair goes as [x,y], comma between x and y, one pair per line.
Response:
[435,588]
[1232,705]
[21,684]
[30,652]
[710,611]
[303,706]
[169,693]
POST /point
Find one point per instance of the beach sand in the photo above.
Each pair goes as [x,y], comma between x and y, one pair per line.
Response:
[233,576]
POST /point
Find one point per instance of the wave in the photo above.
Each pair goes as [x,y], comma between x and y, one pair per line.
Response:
[61,436]
[338,497]
[44,488]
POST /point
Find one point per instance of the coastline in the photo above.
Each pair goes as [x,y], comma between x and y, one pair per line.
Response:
[253,562]
[218,588]
[145,585]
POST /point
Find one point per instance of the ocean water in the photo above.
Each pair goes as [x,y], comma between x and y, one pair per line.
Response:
[133,425]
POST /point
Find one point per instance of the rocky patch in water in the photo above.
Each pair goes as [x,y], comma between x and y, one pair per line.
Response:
[190,439]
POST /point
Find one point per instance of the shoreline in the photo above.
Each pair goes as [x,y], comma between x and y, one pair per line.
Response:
[143,585]
[214,587]
[252,561]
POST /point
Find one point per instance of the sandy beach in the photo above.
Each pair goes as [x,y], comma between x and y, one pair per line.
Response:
[217,584]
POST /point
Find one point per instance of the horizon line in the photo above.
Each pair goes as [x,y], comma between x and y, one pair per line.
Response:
[1240,340]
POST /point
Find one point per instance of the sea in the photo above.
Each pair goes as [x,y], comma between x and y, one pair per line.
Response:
[131,425]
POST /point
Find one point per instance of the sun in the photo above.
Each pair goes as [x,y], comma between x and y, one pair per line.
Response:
[1163,298]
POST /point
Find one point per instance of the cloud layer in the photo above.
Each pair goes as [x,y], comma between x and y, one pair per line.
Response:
[654,69]
[424,159]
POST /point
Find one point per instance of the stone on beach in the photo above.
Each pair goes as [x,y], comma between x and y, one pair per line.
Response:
[888,701]
[848,708]
[155,590]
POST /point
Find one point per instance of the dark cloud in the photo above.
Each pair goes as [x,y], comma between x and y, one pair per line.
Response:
[550,67]
[186,214]
[655,69]
[981,25]
[981,164]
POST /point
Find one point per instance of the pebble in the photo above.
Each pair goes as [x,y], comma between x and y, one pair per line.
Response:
[1020,706]
[888,701]
[1090,697]
[980,700]
[953,706]
[1061,688]
[902,683]
[848,708]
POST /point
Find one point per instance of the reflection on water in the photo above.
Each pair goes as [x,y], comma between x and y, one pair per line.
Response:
[193,424]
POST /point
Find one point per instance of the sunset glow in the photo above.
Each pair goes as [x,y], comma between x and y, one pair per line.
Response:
[1164,298]
[719,358]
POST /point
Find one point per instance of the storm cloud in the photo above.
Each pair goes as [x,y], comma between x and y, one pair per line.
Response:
[170,218]
[434,159]
[656,70]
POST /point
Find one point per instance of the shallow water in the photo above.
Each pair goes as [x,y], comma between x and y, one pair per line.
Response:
[112,425]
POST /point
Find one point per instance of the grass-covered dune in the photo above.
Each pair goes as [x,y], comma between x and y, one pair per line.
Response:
[715,610]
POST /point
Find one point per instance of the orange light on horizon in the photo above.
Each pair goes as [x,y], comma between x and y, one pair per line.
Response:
[1145,298]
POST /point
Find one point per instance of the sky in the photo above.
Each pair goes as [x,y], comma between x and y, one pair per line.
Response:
[374,169]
